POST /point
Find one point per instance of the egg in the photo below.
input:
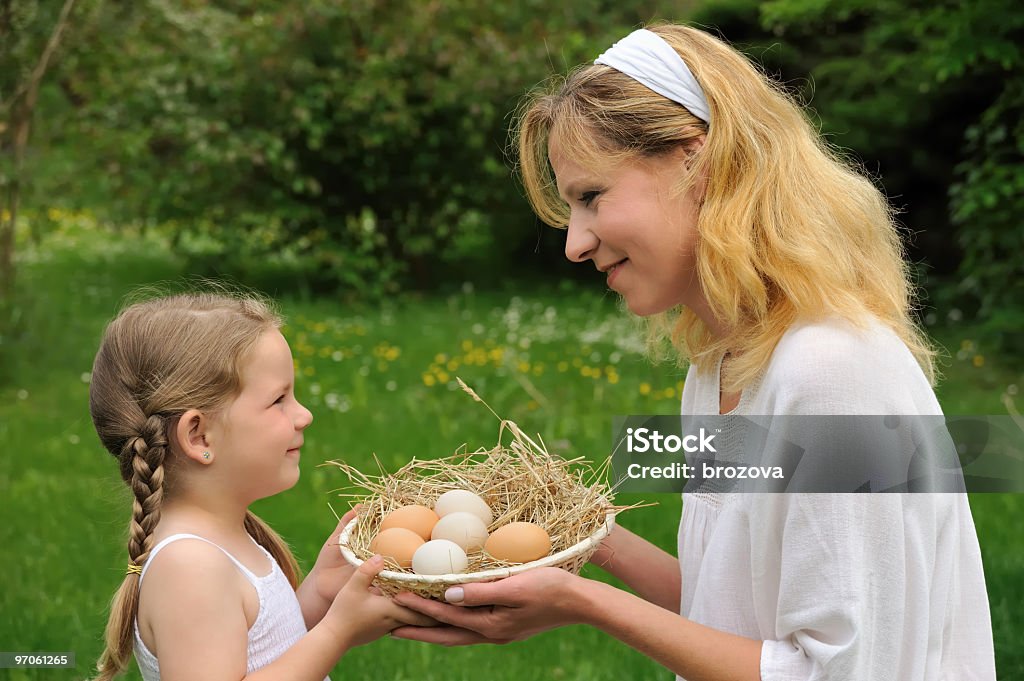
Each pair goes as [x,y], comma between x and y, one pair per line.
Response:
[518,543]
[397,543]
[439,557]
[419,519]
[465,529]
[460,500]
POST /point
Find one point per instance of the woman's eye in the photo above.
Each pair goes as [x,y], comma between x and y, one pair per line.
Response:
[588,197]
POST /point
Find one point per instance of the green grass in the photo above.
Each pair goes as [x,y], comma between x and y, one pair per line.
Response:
[380,382]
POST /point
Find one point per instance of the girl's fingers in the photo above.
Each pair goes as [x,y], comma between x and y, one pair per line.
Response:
[362,578]
[347,518]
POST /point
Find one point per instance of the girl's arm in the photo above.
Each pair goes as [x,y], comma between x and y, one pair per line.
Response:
[329,574]
[541,599]
[354,618]
[195,598]
[650,572]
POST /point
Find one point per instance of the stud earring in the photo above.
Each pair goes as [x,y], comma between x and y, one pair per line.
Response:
[206,455]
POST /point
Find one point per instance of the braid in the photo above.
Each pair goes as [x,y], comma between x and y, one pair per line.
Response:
[142,465]
[146,453]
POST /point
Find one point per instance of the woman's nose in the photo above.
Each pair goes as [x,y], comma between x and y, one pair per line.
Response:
[580,241]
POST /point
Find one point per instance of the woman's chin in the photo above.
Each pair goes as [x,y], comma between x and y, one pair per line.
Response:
[643,308]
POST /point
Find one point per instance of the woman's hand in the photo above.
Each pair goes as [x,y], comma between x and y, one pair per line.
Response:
[510,609]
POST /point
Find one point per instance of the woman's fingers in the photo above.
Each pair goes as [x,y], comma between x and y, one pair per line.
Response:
[503,592]
[413,618]
[467,618]
[445,636]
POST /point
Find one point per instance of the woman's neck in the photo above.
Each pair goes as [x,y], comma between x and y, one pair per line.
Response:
[698,304]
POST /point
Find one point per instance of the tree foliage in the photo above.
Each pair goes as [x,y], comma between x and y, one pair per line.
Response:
[931,96]
[361,144]
[29,40]
[361,141]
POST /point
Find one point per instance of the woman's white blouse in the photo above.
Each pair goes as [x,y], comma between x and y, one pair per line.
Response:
[838,586]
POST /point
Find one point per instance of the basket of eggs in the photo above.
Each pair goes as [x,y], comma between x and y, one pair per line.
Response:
[478,516]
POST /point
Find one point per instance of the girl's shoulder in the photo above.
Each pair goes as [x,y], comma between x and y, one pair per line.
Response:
[190,580]
[190,565]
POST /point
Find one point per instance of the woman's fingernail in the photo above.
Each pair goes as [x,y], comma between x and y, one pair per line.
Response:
[454,594]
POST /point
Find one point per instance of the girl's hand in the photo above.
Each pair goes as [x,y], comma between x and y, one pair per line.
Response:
[360,614]
[331,571]
[510,609]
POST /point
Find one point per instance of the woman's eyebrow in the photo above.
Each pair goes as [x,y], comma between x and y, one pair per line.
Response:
[570,190]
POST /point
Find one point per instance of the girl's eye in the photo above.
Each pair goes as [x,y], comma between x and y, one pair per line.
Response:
[279,400]
[588,197]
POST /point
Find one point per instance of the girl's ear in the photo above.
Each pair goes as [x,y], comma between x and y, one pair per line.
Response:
[191,435]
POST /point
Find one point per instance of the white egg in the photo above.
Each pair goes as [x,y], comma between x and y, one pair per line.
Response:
[465,529]
[456,500]
[439,557]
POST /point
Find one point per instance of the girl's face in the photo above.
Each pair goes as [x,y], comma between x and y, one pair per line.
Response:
[633,226]
[260,432]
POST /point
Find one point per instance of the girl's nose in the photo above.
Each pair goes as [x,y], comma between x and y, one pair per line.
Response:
[303,418]
[580,241]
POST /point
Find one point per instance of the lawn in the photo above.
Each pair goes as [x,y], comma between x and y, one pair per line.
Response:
[380,381]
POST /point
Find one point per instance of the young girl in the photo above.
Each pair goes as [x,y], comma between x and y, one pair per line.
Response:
[776,269]
[193,395]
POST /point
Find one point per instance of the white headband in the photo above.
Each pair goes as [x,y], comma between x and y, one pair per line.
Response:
[645,57]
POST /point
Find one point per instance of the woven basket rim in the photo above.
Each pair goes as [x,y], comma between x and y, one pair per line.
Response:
[483,575]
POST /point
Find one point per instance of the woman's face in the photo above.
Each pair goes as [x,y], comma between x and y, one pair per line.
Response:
[631,224]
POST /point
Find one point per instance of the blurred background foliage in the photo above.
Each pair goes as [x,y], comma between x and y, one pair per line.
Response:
[360,146]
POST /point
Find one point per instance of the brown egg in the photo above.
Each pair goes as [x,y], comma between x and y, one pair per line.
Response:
[518,543]
[397,543]
[419,519]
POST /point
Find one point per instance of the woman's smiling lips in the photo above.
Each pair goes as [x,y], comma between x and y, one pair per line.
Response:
[613,270]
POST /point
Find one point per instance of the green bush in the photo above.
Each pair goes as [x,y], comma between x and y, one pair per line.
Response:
[362,141]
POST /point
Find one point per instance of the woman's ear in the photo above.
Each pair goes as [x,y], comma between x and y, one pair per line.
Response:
[191,435]
[695,144]
[700,182]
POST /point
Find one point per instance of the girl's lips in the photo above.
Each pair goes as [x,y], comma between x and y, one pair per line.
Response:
[613,271]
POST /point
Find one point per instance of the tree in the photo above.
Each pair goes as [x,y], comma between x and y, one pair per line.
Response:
[19,28]
[931,96]
[362,141]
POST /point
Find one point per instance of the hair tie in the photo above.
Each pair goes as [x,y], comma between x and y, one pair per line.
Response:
[133,569]
[645,57]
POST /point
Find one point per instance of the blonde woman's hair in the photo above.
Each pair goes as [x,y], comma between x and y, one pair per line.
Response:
[788,228]
[158,359]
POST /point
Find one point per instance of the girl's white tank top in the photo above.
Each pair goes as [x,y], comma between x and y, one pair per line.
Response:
[278,625]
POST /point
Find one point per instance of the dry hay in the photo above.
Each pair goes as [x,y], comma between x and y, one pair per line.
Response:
[520,481]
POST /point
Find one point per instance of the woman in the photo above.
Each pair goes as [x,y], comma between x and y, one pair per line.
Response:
[776,269]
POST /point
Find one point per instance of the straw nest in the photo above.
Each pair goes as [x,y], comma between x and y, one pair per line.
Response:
[520,481]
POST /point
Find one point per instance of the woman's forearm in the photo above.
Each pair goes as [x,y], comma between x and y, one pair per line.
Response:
[649,571]
[691,650]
